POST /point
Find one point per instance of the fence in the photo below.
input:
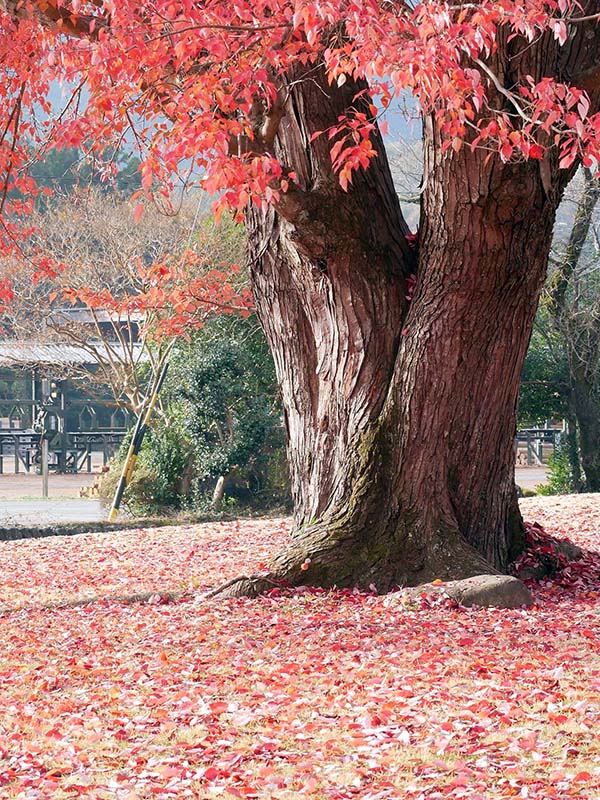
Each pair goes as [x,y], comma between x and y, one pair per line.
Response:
[68,452]
[534,445]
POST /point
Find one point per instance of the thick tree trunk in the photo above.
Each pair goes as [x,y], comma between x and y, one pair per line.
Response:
[431,488]
[328,275]
[485,237]
[400,413]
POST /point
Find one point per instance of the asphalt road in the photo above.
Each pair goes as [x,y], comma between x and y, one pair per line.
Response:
[29,487]
[530,477]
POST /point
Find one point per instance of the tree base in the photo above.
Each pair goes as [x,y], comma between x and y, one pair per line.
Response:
[328,557]
[484,591]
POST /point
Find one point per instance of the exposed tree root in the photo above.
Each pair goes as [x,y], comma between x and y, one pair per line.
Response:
[245,586]
[136,597]
[326,558]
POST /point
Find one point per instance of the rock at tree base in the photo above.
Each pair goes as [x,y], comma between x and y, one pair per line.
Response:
[488,591]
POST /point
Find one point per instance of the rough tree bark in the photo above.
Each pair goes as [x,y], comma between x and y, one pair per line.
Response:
[400,412]
[401,438]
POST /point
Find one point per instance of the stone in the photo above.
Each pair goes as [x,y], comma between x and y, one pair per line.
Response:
[486,591]
[495,591]
[569,550]
[542,563]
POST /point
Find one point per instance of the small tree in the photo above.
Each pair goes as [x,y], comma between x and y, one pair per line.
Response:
[68,171]
[545,379]
[161,480]
[231,406]
[130,288]
[221,428]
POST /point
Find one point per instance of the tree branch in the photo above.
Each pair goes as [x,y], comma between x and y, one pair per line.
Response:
[60,17]
[590,195]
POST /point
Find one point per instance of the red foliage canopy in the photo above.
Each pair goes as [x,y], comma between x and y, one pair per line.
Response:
[200,83]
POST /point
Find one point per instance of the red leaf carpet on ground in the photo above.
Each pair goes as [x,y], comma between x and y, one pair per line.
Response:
[324,695]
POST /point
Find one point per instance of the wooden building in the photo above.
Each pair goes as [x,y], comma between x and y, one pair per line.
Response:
[39,396]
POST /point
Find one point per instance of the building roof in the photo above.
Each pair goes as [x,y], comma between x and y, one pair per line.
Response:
[64,316]
[16,353]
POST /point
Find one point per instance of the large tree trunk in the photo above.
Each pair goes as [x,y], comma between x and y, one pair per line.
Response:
[400,411]
[451,408]
[420,485]
[328,276]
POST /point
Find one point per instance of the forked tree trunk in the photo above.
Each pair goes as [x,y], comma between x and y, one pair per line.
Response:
[400,414]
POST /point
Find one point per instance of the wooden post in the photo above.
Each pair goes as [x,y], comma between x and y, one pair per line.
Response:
[540,451]
[44,467]
[44,449]
[33,399]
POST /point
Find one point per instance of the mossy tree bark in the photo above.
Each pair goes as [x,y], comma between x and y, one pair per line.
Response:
[400,412]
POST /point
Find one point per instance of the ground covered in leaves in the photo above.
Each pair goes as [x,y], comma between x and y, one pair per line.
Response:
[323,695]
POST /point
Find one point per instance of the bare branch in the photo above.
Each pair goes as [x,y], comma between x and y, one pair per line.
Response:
[588,200]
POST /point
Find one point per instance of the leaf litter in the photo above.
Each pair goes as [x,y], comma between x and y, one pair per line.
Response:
[334,695]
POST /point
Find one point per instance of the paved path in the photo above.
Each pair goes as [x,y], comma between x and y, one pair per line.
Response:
[530,477]
[21,502]
[29,487]
[49,512]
